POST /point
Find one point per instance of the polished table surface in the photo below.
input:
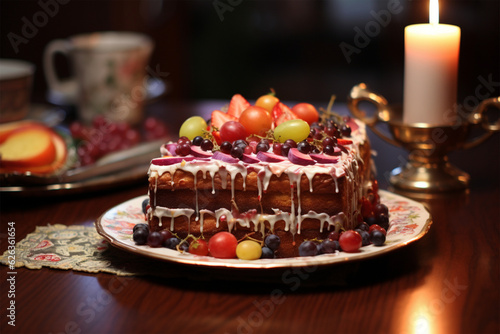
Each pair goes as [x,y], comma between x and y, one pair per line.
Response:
[446,282]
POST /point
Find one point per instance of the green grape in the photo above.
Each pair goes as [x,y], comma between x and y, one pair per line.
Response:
[295,129]
[248,250]
[193,127]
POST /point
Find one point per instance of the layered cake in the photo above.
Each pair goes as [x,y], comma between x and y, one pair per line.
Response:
[295,175]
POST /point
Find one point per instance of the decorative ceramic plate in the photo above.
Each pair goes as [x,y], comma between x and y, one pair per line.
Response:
[409,221]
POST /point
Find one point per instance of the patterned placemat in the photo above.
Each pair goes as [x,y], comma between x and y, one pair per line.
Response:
[81,248]
[78,248]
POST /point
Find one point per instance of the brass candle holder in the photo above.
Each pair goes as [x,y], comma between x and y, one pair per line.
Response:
[428,169]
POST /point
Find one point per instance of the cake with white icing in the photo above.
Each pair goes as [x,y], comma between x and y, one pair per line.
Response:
[299,194]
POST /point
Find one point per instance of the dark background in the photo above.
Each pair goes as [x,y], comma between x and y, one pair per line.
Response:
[292,46]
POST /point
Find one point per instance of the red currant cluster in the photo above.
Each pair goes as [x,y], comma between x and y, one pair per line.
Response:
[104,136]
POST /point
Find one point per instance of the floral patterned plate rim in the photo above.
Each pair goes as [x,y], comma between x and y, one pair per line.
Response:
[409,221]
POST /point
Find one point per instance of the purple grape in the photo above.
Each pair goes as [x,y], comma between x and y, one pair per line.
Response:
[266,142]
[328,149]
[304,147]
[183,140]
[226,147]
[329,246]
[331,141]
[140,236]
[363,227]
[345,130]
[291,143]
[277,148]
[207,145]
[197,140]
[237,152]
[155,239]
[267,253]
[284,149]
[308,248]
[261,147]
[183,149]
[140,226]
[382,220]
[380,208]
[240,142]
[272,241]
[165,234]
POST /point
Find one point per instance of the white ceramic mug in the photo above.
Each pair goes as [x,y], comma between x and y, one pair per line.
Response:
[109,74]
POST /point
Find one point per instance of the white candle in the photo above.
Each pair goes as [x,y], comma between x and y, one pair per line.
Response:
[431,67]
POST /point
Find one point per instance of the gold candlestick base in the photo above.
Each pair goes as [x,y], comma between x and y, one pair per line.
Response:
[428,168]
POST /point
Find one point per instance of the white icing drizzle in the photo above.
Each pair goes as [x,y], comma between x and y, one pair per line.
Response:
[257,220]
[161,212]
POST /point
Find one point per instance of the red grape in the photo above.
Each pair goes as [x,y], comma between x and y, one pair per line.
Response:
[350,241]
[377,227]
[223,245]
[198,247]
[232,131]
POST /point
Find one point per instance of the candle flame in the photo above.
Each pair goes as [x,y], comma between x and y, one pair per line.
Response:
[434,11]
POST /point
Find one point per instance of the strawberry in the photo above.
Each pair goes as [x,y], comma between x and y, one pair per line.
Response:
[216,135]
[219,118]
[343,141]
[237,105]
[282,113]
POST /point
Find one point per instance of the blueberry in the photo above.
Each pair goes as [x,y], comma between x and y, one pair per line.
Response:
[171,243]
[377,238]
[184,246]
[365,236]
[370,220]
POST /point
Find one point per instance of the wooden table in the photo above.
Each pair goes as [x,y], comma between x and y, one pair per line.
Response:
[447,282]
